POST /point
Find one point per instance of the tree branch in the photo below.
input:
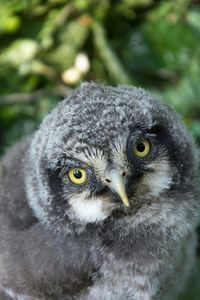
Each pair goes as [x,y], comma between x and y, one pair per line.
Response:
[23,98]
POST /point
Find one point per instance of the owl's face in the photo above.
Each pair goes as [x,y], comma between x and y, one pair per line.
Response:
[105,152]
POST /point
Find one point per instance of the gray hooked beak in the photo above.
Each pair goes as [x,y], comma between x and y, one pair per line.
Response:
[118,185]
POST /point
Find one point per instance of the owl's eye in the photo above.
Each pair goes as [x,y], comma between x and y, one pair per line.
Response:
[77,175]
[142,148]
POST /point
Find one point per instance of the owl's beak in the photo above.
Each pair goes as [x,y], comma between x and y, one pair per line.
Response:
[118,185]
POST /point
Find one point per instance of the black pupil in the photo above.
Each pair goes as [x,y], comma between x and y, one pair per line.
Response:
[77,174]
[140,147]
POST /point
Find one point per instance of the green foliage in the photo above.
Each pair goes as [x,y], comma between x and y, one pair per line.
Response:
[48,47]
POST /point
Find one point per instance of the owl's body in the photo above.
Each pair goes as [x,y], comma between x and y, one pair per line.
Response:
[64,240]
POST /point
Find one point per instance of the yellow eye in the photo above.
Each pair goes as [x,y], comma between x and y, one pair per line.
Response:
[142,148]
[77,175]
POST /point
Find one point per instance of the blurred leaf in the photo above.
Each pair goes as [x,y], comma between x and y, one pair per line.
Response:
[75,33]
[19,52]
[10,24]
[185,96]
[193,18]
[63,56]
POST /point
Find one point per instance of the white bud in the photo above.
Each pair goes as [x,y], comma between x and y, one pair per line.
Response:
[82,63]
[71,75]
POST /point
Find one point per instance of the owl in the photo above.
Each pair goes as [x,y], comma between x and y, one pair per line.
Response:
[101,202]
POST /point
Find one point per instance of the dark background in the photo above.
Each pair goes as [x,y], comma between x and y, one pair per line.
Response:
[48,47]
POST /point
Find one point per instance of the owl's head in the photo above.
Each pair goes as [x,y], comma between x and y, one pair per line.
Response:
[105,152]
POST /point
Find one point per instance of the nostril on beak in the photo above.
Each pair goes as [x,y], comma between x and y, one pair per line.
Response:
[108,180]
[123,174]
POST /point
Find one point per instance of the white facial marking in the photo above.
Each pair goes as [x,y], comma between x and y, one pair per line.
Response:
[89,211]
[160,179]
